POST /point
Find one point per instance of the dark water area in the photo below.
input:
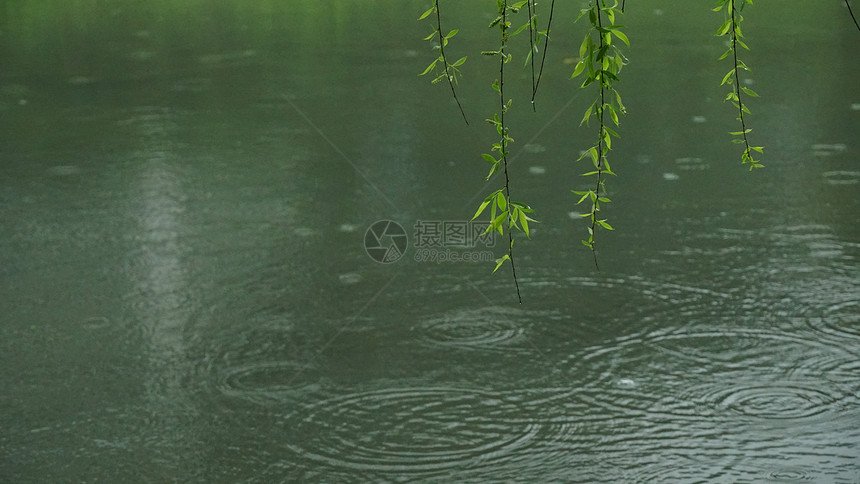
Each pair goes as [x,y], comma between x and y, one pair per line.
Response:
[185,294]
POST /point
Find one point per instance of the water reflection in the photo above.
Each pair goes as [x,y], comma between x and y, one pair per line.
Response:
[162,294]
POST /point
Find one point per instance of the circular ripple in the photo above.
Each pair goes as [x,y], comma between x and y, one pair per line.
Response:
[774,401]
[411,430]
[268,381]
[668,368]
[489,329]
[790,475]
[843,318]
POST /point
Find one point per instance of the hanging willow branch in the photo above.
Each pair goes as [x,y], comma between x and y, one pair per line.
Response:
[602,61]
[732,27]
[532,7]
[503,210]
[449,71]
[852,14]
[545,45]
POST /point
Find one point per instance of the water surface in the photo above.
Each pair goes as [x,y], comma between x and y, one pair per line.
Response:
[186,297]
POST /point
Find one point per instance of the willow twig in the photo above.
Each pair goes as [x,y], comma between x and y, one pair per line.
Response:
[445,60]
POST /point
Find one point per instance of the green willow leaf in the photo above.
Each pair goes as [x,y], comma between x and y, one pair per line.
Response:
[524,222]
[480,209]
[428,12]
[497,222]
[580,67]
[520,29]
[501,201]
[501,260]
[429,68]
[604,224]
[621,35]
[749,91]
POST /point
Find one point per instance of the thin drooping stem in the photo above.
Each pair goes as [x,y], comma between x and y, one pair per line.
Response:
[543,57]
[737,76]
[448,76]
[504,141]
[852,14]
[532,13]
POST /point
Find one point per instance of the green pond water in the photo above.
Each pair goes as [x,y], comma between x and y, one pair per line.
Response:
[186,189]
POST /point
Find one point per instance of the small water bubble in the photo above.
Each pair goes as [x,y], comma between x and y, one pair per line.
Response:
[691,163]
[534,148]
[670,176]
[142,55]
[304,231]
[626,383]
[537,170]
[699,119]
[80,80]
[350,278]
[658,12]
[347,227]
[855,106]
[95,323]
[838,147]
[826,149]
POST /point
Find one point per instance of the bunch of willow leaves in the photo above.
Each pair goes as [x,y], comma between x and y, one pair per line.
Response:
[449,71]
[600,63]
[503,210]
